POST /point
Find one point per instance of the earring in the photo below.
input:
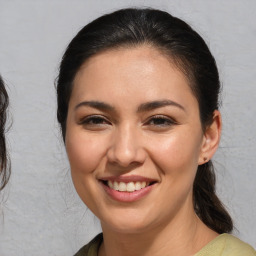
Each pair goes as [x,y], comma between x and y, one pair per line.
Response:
[205,158]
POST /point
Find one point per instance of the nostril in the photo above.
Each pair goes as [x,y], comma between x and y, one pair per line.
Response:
[126,157]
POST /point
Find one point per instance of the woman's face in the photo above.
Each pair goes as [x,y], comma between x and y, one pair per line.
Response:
[134,139]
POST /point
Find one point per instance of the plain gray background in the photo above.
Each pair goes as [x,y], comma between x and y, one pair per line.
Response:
[41,213]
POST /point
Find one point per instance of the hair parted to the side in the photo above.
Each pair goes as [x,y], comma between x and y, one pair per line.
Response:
[4,167]
[182,45]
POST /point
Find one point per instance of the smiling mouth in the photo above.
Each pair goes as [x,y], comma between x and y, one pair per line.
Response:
[127,186]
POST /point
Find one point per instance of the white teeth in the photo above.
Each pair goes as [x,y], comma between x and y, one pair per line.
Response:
[127,187]
[110,184]
[116,187]
[143,184]
[138,185]
[130,187]
[122,186]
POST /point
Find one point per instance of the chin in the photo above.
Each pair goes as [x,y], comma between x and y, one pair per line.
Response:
[127,223]
[127,228]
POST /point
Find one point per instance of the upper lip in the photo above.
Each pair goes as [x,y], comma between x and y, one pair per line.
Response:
[126,179]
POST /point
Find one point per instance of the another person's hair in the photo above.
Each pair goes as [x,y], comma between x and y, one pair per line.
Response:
[4,168]
[128,28]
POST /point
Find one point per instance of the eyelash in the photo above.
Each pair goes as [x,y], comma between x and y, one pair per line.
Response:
[166,121]
[158,121]
[95,120]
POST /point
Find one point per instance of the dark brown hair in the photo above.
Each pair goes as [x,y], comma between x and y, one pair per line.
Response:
[4,169]
[178,41]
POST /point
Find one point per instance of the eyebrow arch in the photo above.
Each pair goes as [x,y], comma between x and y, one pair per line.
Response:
[158,104]
[96,104]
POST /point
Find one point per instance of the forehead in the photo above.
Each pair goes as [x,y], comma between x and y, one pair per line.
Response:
[142,56]
[142,71]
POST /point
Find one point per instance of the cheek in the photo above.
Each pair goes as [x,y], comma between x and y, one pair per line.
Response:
[84,152]
[85,156]
[177,153]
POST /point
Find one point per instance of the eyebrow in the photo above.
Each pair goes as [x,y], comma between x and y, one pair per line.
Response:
[142,108]
[96,104]
[158,104]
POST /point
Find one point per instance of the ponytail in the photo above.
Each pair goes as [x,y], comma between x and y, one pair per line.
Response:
[207,205]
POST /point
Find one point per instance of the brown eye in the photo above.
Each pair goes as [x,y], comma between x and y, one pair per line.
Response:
[95,121]
[160,121]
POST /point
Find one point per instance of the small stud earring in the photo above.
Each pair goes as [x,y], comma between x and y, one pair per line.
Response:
[205,158]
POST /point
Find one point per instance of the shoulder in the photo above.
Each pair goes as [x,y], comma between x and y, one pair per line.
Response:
[235,246]
[91,249]
[227,245]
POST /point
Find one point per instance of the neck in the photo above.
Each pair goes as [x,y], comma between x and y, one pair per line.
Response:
[184,235]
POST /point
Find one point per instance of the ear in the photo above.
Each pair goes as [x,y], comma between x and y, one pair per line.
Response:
[211,139]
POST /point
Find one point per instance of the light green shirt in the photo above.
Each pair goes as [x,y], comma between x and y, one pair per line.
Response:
[226,245]
[222,245]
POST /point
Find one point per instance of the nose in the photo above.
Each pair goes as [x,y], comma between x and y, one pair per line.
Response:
[126,148]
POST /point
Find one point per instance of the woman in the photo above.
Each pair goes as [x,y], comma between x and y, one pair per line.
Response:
[138,108]
[4,171]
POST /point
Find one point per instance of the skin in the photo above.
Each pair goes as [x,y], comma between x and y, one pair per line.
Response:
[164,143]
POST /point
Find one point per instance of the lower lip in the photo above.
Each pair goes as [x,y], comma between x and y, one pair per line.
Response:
[127,196]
